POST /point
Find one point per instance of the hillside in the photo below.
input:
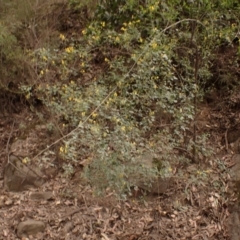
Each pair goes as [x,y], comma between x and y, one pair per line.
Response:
[119,119]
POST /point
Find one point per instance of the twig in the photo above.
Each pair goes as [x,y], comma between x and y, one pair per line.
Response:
[105,236]
[72,213]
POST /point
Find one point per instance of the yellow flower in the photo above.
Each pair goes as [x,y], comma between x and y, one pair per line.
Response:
[84,31]
[26,160]
[151,144]
[44,58]
[139,61]
[69,49]
[154,45]
[116,119]
[28,95]
[103,24]
[63,149]
[94,115]
[117,39]
[95,38]
[62,37]
[83,114]
[123,128]
[151,8]
[42,72]
[115,94]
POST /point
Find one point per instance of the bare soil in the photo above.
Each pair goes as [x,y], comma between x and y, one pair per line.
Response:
[202,207]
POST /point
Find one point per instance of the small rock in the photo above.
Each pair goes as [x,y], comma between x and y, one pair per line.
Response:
[18,177]
[30,227]
[41,196]
[68,227]
[9,202]
[159,186]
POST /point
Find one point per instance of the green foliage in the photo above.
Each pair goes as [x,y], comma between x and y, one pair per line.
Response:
[21,30]
[87,6]
[144,84]
[9,52]
[78,4]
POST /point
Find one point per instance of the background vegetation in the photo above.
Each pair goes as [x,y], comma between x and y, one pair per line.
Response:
[121,78]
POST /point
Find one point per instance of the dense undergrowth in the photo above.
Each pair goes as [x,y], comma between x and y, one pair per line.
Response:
[121,78]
